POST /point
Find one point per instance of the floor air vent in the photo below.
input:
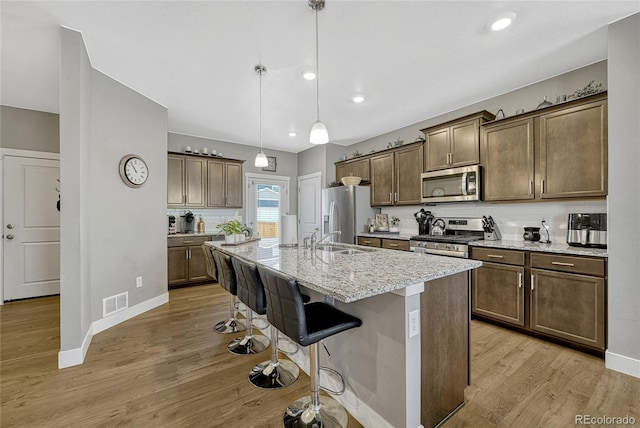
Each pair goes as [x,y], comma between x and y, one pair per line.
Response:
[113,304]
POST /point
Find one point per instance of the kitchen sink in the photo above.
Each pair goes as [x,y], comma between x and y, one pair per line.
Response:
[342,250]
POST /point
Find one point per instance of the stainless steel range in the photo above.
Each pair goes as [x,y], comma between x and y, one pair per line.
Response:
[456,233]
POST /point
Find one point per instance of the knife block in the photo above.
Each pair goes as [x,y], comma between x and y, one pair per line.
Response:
[495,235]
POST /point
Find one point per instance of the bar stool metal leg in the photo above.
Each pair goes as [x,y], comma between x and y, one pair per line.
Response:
[275,373]
[232,325]
[308,411]
[249,344]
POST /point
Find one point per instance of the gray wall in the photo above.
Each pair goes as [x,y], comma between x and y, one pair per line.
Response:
[29,130]
[527,98]
[75,132]
[624,183]
[320,158]
[287,163]
[110,233]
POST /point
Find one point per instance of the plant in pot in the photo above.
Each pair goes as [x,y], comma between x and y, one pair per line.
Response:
[232,230]
[395,224]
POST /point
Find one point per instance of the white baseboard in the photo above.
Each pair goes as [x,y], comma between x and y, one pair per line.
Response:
[74,357]
[107,322]
[622,364]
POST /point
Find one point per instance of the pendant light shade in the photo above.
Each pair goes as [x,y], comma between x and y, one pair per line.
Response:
[261,159]
[319,133]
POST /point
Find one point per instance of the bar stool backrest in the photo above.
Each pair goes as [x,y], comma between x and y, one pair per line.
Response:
[285,306]
[212,271]
[250,288]
[226,274]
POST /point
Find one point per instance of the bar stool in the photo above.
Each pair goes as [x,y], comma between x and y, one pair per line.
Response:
[307,325]
[227,279]
[248,344]
[270,374]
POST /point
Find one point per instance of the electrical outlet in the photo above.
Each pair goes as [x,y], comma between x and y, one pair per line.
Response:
[414,323]
[138,281]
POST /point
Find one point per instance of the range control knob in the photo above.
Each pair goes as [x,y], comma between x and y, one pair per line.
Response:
[447,247]
[456,248]
[435,246]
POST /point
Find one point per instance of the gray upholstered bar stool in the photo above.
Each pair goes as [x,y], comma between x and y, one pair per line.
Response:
[227,279]
[273,373]
[249,344]
[307,325]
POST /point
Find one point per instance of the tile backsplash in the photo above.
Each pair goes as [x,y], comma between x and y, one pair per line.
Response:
[211,217]
[510,217]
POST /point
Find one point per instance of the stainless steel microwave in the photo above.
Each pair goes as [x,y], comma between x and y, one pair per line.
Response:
[451,185]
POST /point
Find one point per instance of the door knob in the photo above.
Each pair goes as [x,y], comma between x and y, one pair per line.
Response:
[9,226]
[10,236]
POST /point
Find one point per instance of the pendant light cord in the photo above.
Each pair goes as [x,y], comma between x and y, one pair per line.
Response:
[260,120]
[317,71]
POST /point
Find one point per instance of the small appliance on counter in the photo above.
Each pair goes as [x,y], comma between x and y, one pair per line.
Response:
[587,230]
[188,222]
[172,225]
[491,230]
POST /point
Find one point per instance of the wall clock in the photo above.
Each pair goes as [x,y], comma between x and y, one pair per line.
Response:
[133,170]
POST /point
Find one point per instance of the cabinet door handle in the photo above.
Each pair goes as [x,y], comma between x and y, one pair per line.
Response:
[531,187]
[391,197]
[542,186]
[533,279]
[394,245]
[519,279]
[563,264]
[495,256]
[366,242]
[187,242]
[188,253]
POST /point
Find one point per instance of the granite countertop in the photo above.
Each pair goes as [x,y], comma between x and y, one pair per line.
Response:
[558,248]
[351,277]
[387,235]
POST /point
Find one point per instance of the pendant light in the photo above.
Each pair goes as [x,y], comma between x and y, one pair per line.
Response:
[261,159]
[319,133]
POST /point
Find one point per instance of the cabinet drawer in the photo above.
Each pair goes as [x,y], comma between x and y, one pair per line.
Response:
[498,256]
[584,265]
[395,244]
[370,242]
[188,241]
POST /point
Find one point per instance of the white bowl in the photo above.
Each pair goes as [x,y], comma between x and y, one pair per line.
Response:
[351,181]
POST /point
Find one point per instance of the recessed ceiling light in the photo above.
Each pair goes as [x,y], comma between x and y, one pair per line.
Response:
[503,21]
[292,134]
[357,98]
[309,75]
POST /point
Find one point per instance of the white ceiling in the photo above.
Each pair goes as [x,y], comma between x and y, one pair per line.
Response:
[412,59]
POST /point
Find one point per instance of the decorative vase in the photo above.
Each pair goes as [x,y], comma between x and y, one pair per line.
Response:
[229,239]
[394,229]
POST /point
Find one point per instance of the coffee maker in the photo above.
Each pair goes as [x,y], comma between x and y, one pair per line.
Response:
[188,222]
[587,230]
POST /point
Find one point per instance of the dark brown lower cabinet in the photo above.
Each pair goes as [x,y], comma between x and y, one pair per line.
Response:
[186,260]
[568,306]
[553,296]
[498,292]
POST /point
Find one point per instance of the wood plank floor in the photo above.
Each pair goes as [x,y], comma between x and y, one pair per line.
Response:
[168,368]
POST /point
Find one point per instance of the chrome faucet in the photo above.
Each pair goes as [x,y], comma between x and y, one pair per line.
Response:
[311,238]
[314,244]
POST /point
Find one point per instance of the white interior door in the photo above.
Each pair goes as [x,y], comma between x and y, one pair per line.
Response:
[31,230]
[309,204]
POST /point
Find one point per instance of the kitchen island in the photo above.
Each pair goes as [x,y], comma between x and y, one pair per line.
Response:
[408,363]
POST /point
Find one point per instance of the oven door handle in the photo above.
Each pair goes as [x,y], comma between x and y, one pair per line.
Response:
[459,254]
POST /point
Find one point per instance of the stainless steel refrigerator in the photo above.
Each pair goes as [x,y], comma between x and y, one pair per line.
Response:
[347,209]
